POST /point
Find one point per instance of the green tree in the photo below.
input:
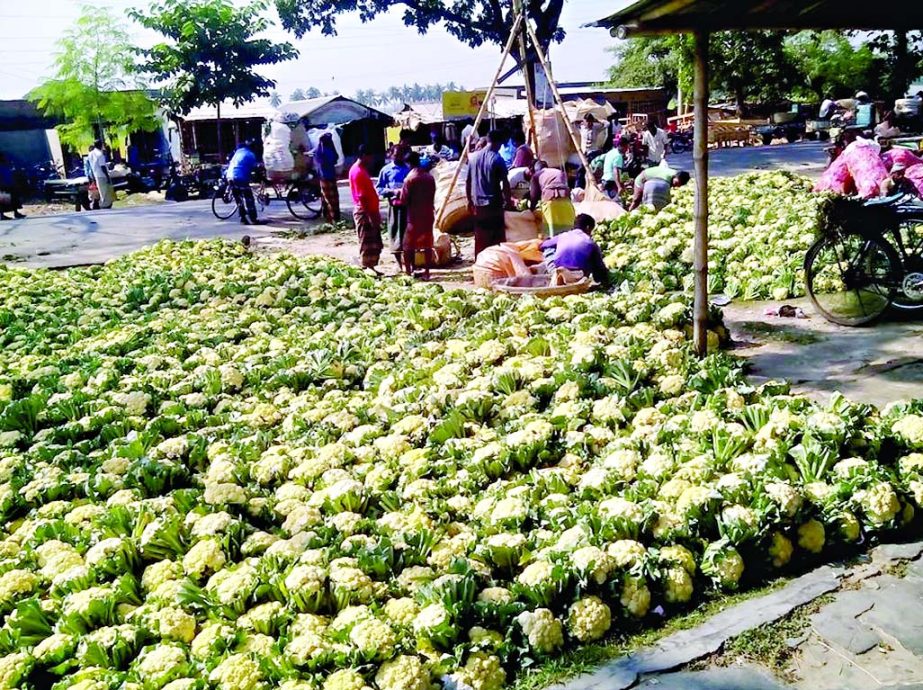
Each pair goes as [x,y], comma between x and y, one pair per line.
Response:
[826,62]
[900,55]
[314,92]
[211,52]
[743,65]
[297,95]
[95,89]
[275,100]
[474,22]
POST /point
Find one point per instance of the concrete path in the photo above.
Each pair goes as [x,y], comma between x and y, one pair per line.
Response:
[869,635]
[877,364]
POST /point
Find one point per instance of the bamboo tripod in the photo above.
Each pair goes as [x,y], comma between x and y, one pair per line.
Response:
[521,28]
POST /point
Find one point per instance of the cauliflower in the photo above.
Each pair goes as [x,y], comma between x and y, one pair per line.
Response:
[237,672]
[401,610]
[13,669]
[636,596]
[909,429]
[161,664]
[677,584]
[811,536]
[405,672]
[785,496]
[345,679]
[589,619]
[481,671]
[204,557]
[594,563]
[879,503]
[780,550]
[16,584]
[175,624]
[679,555]
[723,564]
[373,638]
[627,553]
[543,630]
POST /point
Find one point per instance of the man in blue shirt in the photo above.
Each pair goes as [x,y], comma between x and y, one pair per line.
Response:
[390,181]
[238,175]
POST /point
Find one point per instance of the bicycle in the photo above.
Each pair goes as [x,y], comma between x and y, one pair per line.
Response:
[302,197]
[854,272]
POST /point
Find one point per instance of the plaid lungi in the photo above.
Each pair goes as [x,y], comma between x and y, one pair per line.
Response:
[370,244]
[331,196]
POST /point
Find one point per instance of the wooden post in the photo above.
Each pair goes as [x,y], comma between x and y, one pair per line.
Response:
[220,148]
[700,159]
[477,121]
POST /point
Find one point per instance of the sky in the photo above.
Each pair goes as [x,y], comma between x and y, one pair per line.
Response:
[377,55]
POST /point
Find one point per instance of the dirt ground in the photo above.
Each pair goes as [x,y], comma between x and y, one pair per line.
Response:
[39,207]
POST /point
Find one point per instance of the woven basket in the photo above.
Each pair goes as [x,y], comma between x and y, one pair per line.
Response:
[537,286]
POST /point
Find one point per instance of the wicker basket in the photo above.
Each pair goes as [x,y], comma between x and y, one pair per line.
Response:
[537,286]
[484,277]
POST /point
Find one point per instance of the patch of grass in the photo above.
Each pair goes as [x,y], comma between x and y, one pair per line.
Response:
[780,332]
[589,657]
[771,646]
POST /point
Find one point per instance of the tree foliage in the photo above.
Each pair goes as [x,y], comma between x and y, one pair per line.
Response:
[771,66]
[474,22]
[827,63]
[211,52]
[95,89]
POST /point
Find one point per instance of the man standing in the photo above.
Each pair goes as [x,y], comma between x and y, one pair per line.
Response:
[613,165]
[589,133]
[549,187]
[488,191]
[238,175]
[325,159]
[9,199]
[418,196]
[390,181]
[99,166]
[655,141]
[367,213]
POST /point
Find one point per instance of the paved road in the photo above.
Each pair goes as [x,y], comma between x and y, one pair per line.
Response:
[92,237]
[69,239]
[806,158]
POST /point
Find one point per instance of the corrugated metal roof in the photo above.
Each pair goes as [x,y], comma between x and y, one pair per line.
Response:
[654,16]
[229,111]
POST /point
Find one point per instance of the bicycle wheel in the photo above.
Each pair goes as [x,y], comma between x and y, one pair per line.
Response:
[851,279]
[224,205]
[304,201]
[909,295]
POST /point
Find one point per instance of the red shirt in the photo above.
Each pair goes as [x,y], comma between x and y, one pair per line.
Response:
[363,190]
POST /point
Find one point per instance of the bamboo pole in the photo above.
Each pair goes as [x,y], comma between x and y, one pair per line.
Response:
[477,121]
[700,159]
[530,96]
[591,183]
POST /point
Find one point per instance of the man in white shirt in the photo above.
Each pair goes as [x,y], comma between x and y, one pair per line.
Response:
[827,107]
[100,169]
[655,140]
[467,131]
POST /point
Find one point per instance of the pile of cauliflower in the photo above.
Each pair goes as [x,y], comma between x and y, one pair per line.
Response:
[238,472]
[760,226]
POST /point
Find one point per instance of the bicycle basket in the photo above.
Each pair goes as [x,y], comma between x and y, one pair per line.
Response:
[852,216]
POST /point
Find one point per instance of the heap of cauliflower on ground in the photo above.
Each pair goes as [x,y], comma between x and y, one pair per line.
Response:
[220,470]
[760,226]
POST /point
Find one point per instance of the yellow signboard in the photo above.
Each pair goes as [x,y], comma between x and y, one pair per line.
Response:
[462,103]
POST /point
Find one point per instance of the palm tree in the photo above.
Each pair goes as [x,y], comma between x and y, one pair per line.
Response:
[275,100]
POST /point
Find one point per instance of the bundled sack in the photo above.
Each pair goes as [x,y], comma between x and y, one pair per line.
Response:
[456,219]
[553,140]
[598,206]
[277,153]
[900,155]
[522,225]
[836,179]
[915,174]
[863,159]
